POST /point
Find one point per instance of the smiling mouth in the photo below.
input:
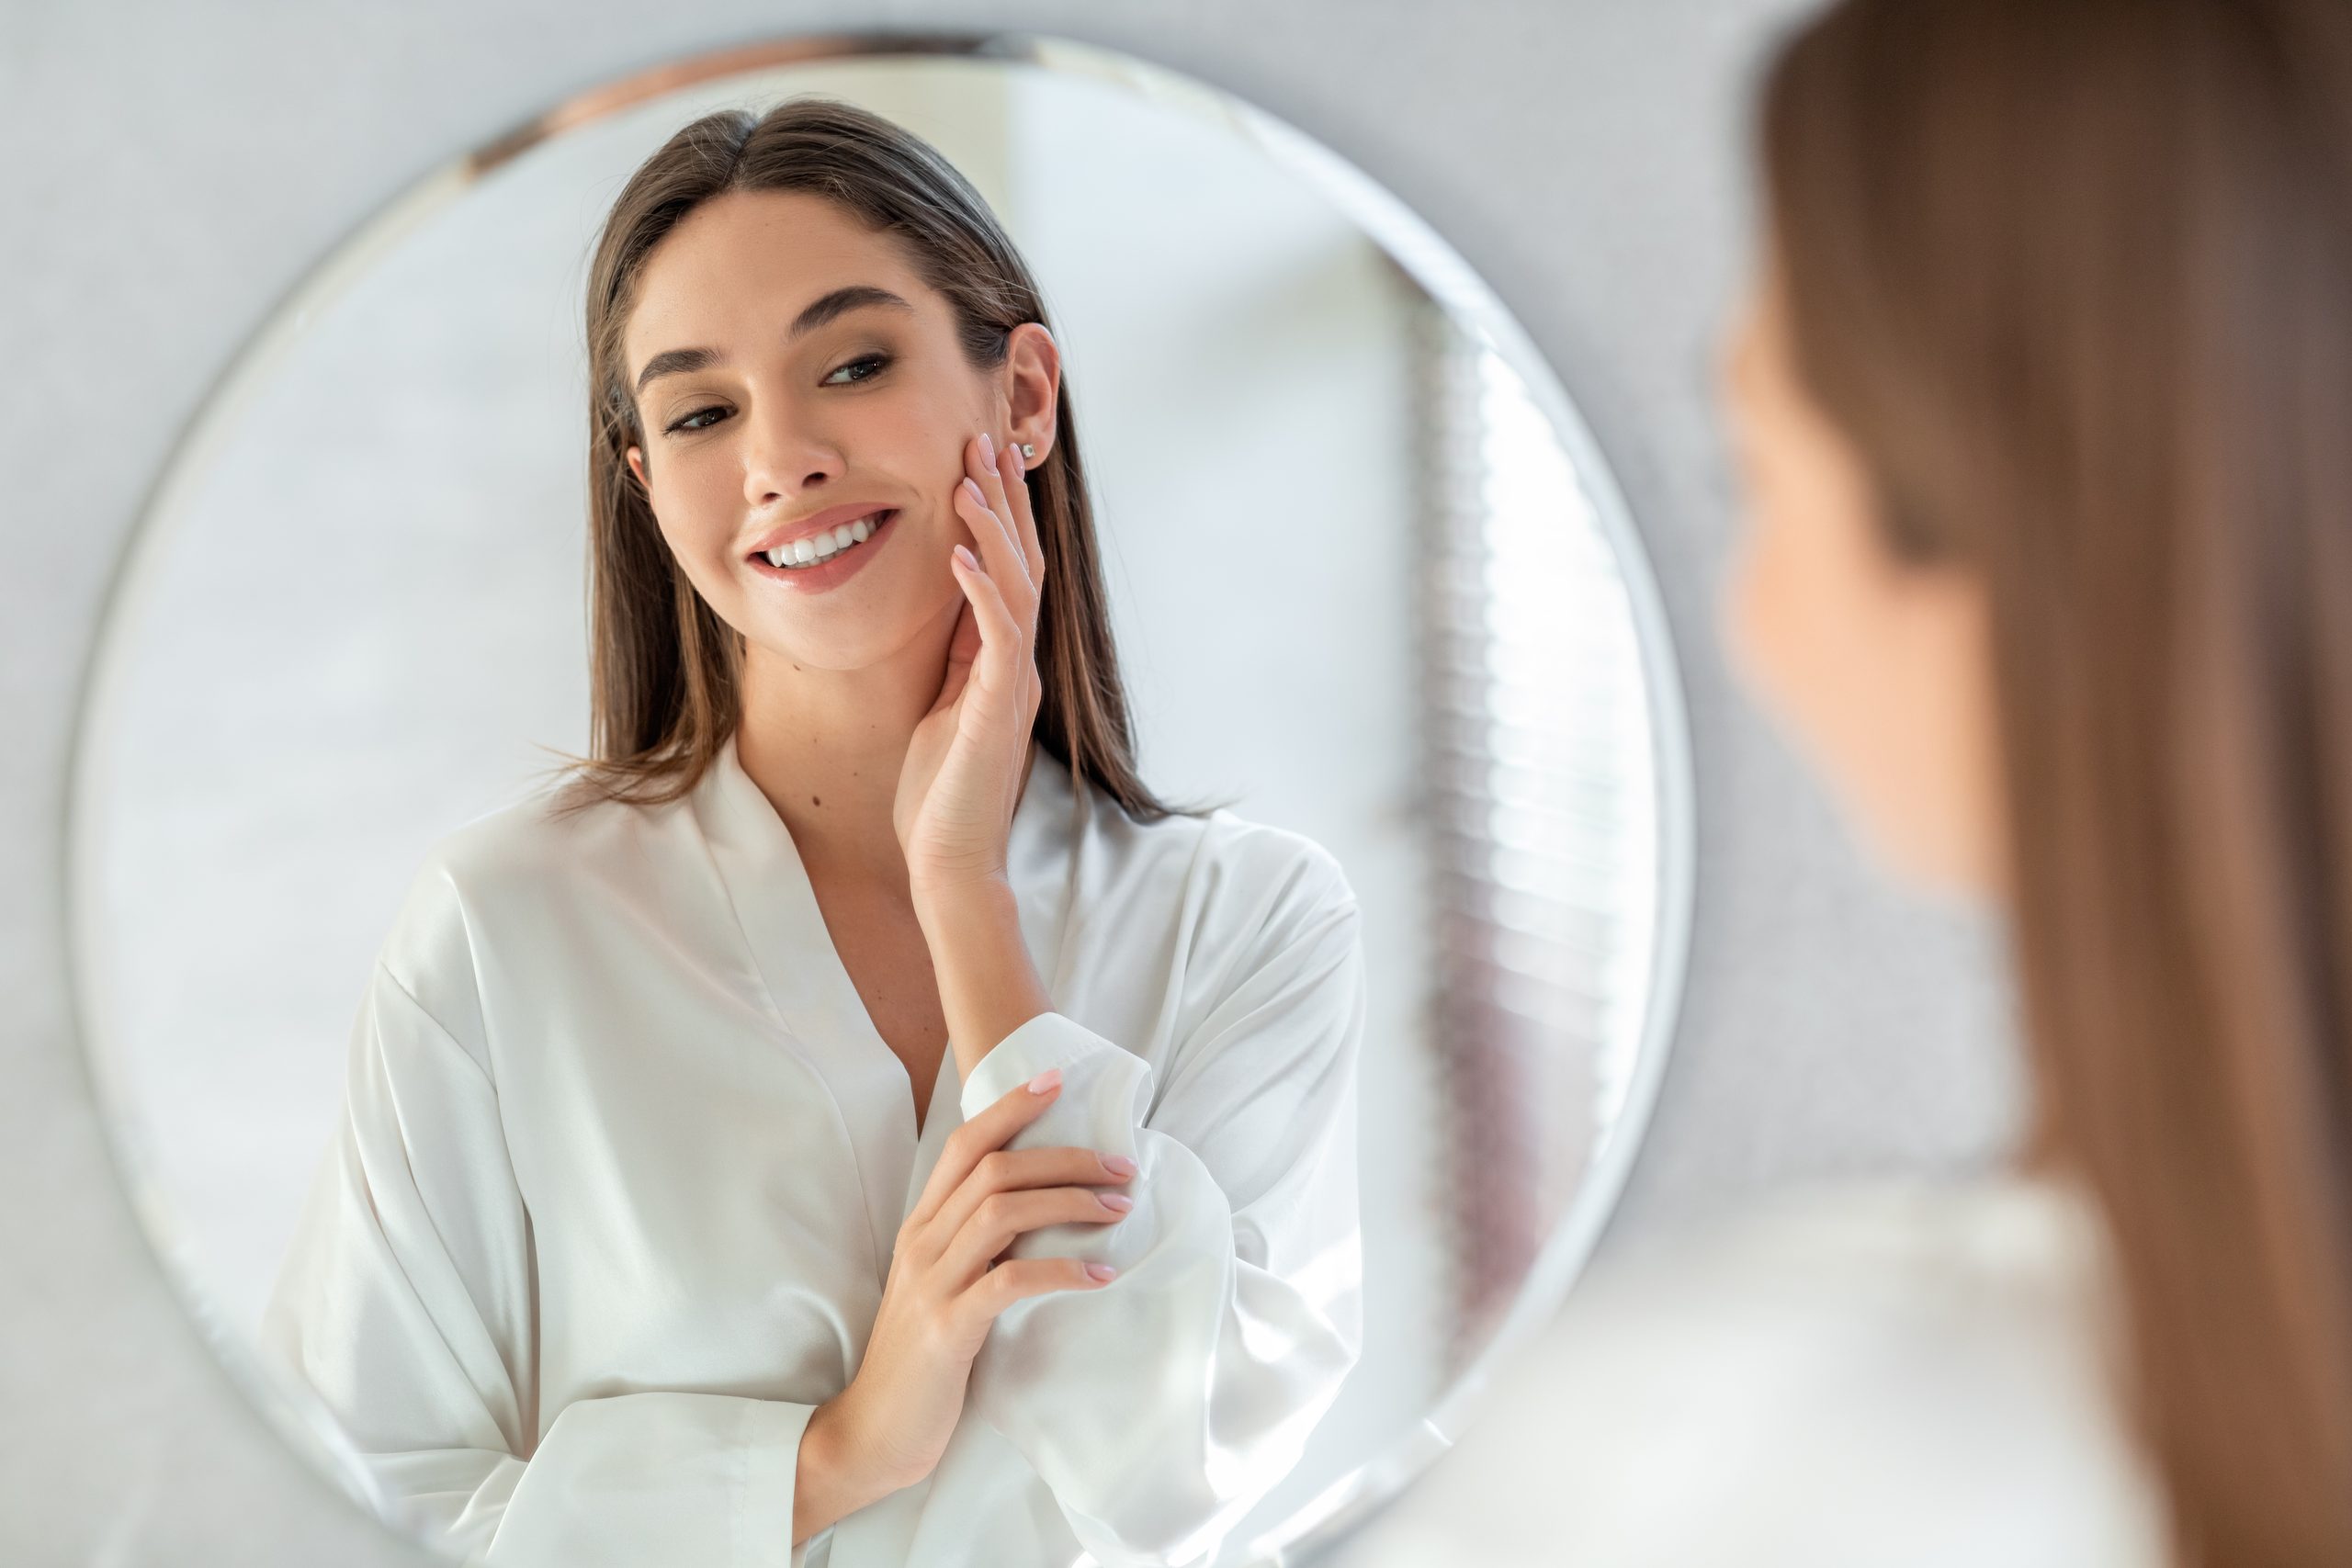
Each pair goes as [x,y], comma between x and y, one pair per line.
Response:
[815,550]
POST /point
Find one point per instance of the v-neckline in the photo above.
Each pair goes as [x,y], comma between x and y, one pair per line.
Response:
[809,990]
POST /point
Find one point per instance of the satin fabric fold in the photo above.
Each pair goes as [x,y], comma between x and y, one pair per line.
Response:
[611,1204]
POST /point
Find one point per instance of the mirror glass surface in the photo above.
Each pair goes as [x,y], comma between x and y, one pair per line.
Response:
[1370,582]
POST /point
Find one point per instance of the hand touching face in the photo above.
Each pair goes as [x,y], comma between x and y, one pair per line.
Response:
[831,406]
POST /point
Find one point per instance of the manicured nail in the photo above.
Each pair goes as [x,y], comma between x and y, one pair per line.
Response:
[1118,1165]
[1045,1081]
[974,486]
[967,557]
[1116,1201]
[987,450]
[1102,1270]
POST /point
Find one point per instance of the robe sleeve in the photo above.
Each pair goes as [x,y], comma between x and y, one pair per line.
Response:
[1160,1406]
[407,1304]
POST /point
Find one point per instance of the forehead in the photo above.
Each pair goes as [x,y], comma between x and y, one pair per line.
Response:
[745,264]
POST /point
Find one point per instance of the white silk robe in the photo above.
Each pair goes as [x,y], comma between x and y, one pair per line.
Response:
[611,1204]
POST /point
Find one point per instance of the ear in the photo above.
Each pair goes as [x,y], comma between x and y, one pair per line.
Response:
[1033,381]
[636,465]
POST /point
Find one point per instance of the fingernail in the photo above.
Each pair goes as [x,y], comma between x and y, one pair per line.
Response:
[974,486]
[1118,1200]
[1046,1081]
[987,450]
[1118,1165]
[966,558]
[1102,1270]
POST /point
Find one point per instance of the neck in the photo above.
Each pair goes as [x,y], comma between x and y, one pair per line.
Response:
[827,748]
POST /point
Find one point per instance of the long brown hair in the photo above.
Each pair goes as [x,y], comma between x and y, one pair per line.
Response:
[665,671]
[2076,275]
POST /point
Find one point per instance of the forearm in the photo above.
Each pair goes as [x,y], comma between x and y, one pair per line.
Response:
[988,986]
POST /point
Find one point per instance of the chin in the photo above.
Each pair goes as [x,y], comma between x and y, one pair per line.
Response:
[822,641]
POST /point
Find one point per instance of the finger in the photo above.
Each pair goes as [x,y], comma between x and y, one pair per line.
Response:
[976,575]
[999,631]
[1025,1277]
[984,1133]
[1033,683]
[1006,493]
[998,548]
[984,465]
[987,472]
[1014,1171]
[1004,1217]
[1025,514]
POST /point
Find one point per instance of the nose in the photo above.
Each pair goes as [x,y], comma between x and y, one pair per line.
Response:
[788,456]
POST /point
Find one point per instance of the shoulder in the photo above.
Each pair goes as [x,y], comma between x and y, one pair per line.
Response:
[542,839]
[1275,883]
[1230,874]
[1899,1371]
[1245,870]
[522,866]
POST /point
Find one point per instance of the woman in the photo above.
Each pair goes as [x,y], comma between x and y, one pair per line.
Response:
[851,1122]
[2044,400]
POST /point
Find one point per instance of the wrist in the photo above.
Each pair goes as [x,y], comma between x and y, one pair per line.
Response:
[943,906]
[833,1477]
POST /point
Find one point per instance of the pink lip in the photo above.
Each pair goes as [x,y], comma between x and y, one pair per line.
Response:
[842,567]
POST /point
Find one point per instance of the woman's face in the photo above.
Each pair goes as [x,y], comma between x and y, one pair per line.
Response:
[1880,671]
[813,407]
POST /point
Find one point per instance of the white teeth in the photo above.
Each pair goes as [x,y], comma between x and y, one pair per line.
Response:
[812,548]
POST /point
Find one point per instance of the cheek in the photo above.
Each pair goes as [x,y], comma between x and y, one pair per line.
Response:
[1812,628]
[699,529]
[913,442]
[1807,602]
[1766,614]
[1870,672]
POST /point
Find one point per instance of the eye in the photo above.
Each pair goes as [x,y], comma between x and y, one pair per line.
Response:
[877,362]
[685,423]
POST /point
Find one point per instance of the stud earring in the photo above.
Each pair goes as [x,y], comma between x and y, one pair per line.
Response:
[1028,452]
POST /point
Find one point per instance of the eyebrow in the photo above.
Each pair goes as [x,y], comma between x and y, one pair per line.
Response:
[823,309]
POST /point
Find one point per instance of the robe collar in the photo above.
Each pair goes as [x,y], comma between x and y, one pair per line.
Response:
[816,1005]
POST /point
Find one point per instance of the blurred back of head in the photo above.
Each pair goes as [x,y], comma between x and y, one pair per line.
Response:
[2076,278]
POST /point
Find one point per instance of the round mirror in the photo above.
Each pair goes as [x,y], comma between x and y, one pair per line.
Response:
[1370,582]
